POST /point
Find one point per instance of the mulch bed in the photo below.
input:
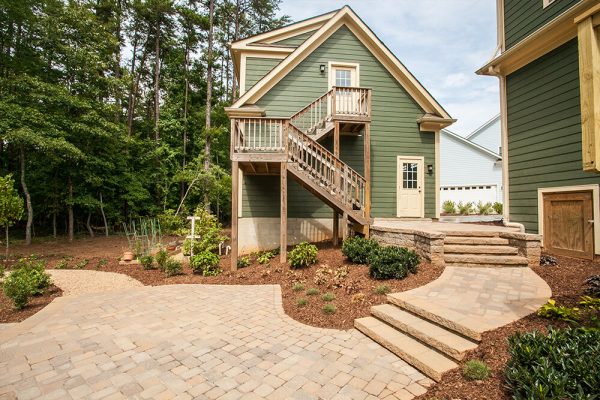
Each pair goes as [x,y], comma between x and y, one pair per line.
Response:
[566,280]
[35,304]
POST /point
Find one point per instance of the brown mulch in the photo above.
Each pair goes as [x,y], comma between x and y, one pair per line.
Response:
[566,280]
[36,303]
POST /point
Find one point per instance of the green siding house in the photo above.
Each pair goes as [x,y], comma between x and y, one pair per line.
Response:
[549,70]
[330,131]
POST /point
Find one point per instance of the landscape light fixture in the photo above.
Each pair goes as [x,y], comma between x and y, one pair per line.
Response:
[322,68]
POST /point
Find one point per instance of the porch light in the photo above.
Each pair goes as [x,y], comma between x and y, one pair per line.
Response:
[322,68]
[430,169]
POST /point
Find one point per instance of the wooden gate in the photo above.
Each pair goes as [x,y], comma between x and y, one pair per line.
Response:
[568,224]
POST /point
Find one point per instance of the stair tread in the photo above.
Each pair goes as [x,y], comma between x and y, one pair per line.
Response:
[484,259]
[424,358]
[480,249]
[475,240]
[432,334]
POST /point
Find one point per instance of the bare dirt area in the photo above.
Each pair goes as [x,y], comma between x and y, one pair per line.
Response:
[566,280]
[8,313]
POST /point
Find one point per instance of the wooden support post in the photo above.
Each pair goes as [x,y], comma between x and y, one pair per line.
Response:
[345,226]
[336,139]
[235,171]
[283,215]
[367,171]
[336,228]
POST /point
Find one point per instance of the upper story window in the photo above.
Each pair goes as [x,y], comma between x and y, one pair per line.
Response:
[546,3]
[343,77]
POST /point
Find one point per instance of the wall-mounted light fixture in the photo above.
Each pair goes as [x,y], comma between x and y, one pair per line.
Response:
[322,68]
[430,169]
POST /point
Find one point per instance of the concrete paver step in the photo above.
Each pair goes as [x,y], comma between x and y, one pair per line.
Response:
[427,332]
[424,358]
[475,240]
[471,233]
[484,259]
[480,249]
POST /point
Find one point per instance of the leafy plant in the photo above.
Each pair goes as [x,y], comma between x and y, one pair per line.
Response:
[301,302]
[497,206]
[465,208]
[357,249]
[206,263]
[17,288]
[552,311]
[475,370]
[590,302]
[172,267]
[303,255]
[592,286]
[382,289]
[449,207]
[563,364]
[328,297]
[28,279]
[161,258]
[172,224]
[11,205]
[62,264]
[391,262]
[298,287]
[101,263]
[265,257]
[484,208]
[147,262]
[209,231]
[312,292]
[82,264]
[243,262]
[329,309]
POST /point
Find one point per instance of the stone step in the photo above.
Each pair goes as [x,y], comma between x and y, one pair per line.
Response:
[479,249]
[483,259]
[422,357]
[425,331]
[488,241]
[472,233]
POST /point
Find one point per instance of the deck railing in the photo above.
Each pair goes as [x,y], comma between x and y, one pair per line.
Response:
[313,115]
[258,135]
[351,101]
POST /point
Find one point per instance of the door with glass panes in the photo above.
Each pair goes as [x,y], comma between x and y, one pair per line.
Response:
[342,77]
[410,191]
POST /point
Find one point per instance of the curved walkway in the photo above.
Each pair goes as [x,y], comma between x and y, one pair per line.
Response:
[75,282]
[188,341]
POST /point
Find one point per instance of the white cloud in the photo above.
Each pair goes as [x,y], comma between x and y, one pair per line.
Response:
[441,42]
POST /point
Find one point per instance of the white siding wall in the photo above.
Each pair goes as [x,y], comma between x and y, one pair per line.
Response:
[489,137]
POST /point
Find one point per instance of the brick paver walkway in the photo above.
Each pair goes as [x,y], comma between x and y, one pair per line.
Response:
[192,341]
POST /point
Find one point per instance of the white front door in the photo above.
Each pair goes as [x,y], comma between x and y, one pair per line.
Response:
[410,187]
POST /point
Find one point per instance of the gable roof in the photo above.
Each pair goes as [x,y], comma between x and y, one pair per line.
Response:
[331,23]
[472,144]
[483,127]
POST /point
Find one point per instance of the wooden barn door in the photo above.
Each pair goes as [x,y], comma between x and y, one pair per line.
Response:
[568,224]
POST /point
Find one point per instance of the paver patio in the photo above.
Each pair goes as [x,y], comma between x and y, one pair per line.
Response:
[192,341]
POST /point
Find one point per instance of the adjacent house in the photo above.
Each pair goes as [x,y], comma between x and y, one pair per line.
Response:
[549,70]
[330,130]
[471,166]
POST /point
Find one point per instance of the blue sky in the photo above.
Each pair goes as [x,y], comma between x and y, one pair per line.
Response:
[442,42]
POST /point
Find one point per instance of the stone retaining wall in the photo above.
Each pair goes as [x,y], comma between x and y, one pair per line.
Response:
[528,244]
[428,245]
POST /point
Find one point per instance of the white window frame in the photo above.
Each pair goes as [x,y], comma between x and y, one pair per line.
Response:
[595,189]
[334,64]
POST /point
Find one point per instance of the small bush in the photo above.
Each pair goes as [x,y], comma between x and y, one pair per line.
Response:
[298,287]
[161,258]
[301,302]
[173,267]
[329,309]
[1,272]
[206,263]
[382,289]
[303,255]
[265,257]
[552,311]
[497,207]
[62,264]
[82,264]
[243,262]
[172,224]
[465,208]
[312,292]
[392,262]
[563,364]
[16,287]
[357,249]
[101,263]
[449,207]
[147,262]
[29,279]
[475,370]
[328,297]
[592,286]
[590,302]
[484,208]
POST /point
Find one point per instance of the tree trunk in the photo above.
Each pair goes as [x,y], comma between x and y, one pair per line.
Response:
[209,87]
[103,216]
[6,252]
[27,200]
[87,224]
[236,33]
[54,224]
[117,65]
[185,115]
[134,91]
[157,78]
[71,222]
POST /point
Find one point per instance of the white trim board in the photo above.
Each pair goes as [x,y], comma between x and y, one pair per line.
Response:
[575,188]
[331,77]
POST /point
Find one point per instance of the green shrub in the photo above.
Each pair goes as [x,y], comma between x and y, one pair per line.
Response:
[590,302]
[484,208]
[497,207]
[172,224]
[206,263]
[265,257]
[328,297]
[357,249]
[17,287]
[1,272]
[392,262]
[449,207]
[147,261]
[161,258]
[101,263]
[329,309]
[301,302]
[29,279]
[82,264]
[564,364]
[552,311]
[243,262]
[209,231]
[62,264]
[298,287]
[465,208]
[303,255]
[173,267]
[312,292]
[382,289]
[475,370]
